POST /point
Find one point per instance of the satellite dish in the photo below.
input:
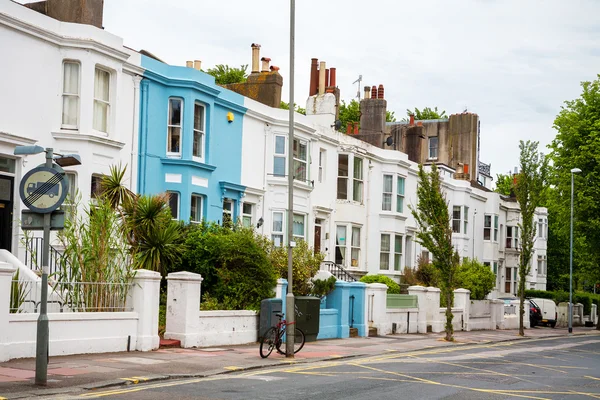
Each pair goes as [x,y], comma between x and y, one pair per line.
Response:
[389,141]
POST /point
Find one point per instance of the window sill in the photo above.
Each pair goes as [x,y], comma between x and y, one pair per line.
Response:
[100,138]
[283,181]
[350,202]
[189,163]
[394,215]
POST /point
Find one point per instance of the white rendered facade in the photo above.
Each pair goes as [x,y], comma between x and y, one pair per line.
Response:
[68,86]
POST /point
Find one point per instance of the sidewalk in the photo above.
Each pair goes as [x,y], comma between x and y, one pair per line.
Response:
[91,371]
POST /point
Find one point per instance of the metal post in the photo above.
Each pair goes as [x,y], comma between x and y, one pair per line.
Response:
[290,305]
[43,333]
[571,262]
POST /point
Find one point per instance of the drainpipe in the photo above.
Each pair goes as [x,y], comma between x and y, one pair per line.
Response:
[134,127]
[267,130]
[144,137]
[368,212]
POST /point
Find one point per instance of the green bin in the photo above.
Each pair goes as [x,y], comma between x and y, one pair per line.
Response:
[308,311]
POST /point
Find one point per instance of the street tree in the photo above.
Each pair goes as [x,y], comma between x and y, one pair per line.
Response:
[224,74]
[435,233]
[529,189]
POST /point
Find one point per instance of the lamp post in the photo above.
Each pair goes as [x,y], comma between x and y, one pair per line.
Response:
[33,199]
[573,172]
[290,314]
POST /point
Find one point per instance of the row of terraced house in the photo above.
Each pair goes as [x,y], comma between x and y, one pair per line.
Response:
[222,152]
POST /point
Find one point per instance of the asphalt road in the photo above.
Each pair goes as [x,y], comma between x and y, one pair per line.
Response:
[553,368]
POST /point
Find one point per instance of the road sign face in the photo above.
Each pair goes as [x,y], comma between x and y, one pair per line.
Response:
[43,189]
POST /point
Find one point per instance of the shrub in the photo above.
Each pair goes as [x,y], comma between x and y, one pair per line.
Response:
[322,287]
[235,268]
[426,273]
[409,277]
[305,264]
[476,277]
[393,287]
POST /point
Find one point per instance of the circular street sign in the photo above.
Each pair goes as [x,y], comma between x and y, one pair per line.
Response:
[43,189]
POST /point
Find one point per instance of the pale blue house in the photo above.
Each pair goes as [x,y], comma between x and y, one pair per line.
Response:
[190,143]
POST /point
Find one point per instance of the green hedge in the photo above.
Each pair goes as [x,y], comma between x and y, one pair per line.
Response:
[560,296]
[393,287]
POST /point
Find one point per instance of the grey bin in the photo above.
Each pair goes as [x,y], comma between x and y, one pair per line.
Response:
[268,309]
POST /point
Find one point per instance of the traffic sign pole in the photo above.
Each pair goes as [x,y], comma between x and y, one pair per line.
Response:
[43,332]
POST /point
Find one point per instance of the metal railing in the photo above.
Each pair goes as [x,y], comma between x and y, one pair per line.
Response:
[25,297]
[33,255]
[339,272]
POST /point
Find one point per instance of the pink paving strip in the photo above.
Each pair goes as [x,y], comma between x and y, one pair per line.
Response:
[67,371]
[9,379]
[16,373]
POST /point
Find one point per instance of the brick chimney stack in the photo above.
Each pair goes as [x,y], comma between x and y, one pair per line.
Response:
[88,12]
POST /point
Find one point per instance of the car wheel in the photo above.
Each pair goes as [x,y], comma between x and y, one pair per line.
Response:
[553,324]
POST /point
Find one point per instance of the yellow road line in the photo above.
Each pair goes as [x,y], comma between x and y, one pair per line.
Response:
[231,368]
[111,392]
[592,377]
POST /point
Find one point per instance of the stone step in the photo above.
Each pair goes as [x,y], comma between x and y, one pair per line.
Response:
[169,343]
[372,332]
[353,332]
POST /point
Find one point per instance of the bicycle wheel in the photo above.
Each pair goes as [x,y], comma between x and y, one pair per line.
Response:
[267,344]
[299,340]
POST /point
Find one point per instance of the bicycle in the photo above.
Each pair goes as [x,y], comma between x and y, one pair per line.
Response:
[274,338]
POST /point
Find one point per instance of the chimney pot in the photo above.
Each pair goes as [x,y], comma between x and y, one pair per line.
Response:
[314,77]
[255,57]
[419,123]
[265,64]
[380,92]
[189,64]
[327,78]
[273,68]
[367,92]
[412,119]
[332,81]
[322,71]
[197,65]
[356,128]
[373,92]
[349,128]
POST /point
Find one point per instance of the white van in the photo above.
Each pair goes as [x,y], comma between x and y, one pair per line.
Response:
[549,311]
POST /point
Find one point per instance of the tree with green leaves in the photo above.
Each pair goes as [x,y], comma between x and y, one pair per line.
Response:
[350,113]
[297,108]
[476,277]
[504,184]
[529,189]
[435,233]
[426,113]
[224,74]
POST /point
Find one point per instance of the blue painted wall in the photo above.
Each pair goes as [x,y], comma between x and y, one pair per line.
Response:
[221,170]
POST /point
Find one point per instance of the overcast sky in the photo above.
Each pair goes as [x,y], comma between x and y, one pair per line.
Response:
[513,62]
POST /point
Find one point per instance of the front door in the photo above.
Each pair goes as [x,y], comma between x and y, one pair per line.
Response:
[6,209]
[317,244]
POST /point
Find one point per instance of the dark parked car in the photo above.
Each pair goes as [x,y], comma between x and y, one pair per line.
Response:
[535,312]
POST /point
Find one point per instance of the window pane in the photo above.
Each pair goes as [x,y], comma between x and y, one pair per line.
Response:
[277,240]
[279,145]
[384,261]
[198,117]
[277,222]
[298,226]
[71,78]
[299,150]
[357,191]
[174,204]
[355,255]
[300,170]
[247,221]
[387,183]
[175,112]
[398,244]
[196,209]
[456,212]
[279,166]
[358,168]
[342,188]
[102,85]
[174,139]
[387,202]
[487,221]
[343,165]
[247,208]
[385,242]
[227,206]
[341,234]
[197,144]
[397,262]
[355,237]
[399,203]
[400,186]
[70,108]
[100,116]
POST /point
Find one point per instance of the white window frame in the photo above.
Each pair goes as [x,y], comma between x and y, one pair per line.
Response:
[355,246]
[180,126]
[247,216]
[322,160]
[496,228]
[294,234]
[105,102]
[178,197]
[341,247]
[397,261]
[278,234]
[433,150]
[455,220]
[71,200]
[196,218]
[277,155]
[358,182]
[385,254]
[466,220]
[228,211]
[342,180]
[77,95]
[94,193]
[400,194]
[387,194]
[298,161]
[486,227]
[513,239]
[201,131]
